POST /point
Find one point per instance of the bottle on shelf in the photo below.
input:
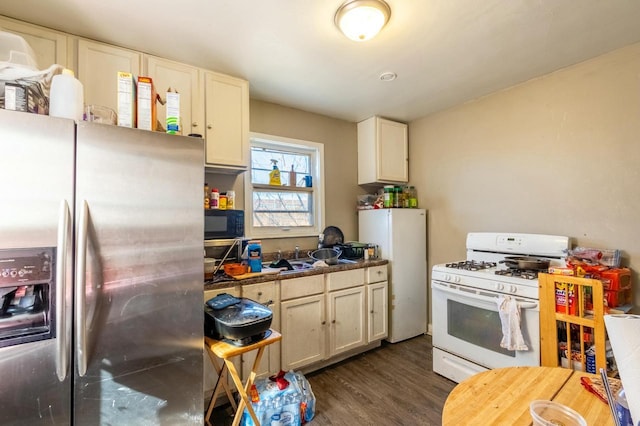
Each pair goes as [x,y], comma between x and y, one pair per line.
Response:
[397,197]
[413,197]
[388,196]
[231,200]
[66,97]
[222,202]
[214,203]
[206,196]
[292,177]
[274,175]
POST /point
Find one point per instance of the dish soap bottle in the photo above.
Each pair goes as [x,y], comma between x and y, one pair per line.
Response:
[274,175]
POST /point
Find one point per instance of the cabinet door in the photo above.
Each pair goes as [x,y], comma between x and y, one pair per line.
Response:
[265,293]
[377,305]
[303,331]
[210,376]
[347,320]
[98,66]
[227,121]
[50,47]
[393,151]
[185,80]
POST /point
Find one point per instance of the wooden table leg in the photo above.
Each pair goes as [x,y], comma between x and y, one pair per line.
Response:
[222,380]
[242,390]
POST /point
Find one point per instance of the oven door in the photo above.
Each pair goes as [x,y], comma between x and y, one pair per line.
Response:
[466,323]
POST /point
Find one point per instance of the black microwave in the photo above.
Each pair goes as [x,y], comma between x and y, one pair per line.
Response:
[223,224]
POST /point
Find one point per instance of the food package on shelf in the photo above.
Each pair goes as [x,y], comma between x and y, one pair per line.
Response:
[594,256]
[280,403]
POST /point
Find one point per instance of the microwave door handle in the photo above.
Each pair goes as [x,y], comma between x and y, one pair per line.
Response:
[478,295]
[80,299]
[62,341]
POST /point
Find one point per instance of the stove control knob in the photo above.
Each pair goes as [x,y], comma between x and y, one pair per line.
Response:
[457,279]
[499,286]
[447,277]
[513,288]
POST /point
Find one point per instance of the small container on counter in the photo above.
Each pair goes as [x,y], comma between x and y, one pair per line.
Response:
[223,202]
[388,196]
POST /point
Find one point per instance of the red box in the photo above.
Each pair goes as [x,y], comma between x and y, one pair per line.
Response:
[564,291]
[619,278]
[617,298]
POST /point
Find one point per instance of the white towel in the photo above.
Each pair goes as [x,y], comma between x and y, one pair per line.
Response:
[509,311]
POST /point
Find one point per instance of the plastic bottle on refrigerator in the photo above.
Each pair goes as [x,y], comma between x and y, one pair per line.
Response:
[206,196]
[66,97]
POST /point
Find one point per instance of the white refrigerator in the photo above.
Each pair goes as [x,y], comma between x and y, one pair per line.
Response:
[401,236]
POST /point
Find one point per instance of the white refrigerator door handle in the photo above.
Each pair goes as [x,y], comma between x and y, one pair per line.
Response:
[80,299]
[62,338]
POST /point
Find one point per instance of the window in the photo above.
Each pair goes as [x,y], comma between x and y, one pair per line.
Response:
[292,209]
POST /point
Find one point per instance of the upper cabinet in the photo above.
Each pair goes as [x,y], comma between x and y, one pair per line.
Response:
[50,47]
[383,151]
[98,66]
[185,79]
[227,122]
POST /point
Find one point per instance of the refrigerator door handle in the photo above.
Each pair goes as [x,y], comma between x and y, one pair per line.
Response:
[80,299]
[62,344]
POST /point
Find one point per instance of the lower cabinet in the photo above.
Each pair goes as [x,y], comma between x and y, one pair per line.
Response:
[303,331]
[347,329]
[377,304]
[268,295]
[210,375]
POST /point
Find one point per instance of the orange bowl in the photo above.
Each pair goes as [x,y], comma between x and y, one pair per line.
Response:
[234,269]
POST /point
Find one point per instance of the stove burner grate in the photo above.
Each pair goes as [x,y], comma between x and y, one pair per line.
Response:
[527,274]
[471,265]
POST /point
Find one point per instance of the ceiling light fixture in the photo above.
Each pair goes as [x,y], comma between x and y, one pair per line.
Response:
[361,20]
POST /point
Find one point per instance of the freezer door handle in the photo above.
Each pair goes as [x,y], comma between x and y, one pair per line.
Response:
[81,308]
[62,341]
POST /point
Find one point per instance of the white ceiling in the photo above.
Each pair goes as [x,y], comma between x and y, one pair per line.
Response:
[444,51]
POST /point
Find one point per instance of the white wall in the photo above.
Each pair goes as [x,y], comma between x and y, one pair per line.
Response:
[556,155]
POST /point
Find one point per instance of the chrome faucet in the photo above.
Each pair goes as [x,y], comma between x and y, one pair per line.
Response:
[279,255]
[297,253]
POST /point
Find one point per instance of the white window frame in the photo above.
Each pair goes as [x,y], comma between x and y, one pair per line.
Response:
[317,172]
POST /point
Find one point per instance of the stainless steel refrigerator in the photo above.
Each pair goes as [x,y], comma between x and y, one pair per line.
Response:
[401,236]
[101,274]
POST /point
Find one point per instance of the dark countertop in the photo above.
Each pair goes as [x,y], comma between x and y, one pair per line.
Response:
[359,264]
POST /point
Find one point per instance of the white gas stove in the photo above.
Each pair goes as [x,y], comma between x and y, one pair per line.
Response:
[465,316]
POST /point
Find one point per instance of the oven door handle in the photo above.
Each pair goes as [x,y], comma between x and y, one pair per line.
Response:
[480,295]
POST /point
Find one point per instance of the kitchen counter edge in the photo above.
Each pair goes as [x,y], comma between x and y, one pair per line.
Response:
[288,275]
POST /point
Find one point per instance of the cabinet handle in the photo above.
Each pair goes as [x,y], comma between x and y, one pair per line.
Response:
[371,311]
[194,124]
[209,126]
[379,272]
[333,322]
[268,303]
[259,293]
[324,322]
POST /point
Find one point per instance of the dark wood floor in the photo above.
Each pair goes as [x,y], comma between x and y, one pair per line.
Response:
[391,385]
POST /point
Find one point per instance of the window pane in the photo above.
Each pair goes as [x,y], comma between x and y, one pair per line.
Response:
[282,209]
[261,164]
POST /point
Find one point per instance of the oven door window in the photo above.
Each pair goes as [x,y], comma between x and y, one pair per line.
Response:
[477,326]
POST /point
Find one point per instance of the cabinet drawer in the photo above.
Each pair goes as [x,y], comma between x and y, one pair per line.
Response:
[300,287]
[345,279]
[261,293]
[377,274]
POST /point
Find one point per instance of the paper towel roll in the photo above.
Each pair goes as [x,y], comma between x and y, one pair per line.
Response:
[624,335]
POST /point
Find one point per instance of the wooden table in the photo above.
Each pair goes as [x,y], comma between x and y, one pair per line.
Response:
[218,349]
[502,396]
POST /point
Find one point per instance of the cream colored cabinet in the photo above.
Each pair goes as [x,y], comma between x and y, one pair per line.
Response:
[383,151]
[185,79]
[377,303]
[347,329]
[266,294]
[210,375]
[303,321]
[346,310]
[226,122]
[50,47]
[98,66]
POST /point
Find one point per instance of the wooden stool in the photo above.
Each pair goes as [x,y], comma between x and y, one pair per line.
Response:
[218,349]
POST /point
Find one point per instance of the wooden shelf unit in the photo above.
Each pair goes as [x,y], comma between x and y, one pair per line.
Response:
[576,314]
